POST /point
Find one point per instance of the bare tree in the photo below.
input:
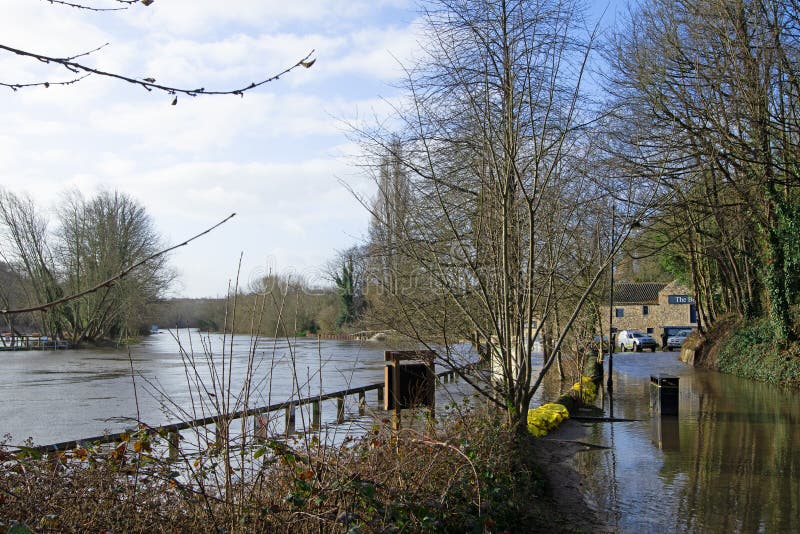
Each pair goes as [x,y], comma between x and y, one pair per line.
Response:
[27,250]
[97,239]
[498,160]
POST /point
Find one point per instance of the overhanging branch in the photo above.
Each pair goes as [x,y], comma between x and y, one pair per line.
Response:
[149,84]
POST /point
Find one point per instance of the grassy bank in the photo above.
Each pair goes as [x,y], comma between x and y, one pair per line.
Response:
[749,350]
[468,475]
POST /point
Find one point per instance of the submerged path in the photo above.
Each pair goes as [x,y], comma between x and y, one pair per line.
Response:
[730,462]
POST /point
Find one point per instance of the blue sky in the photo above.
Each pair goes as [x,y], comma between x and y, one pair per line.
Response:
[276,157]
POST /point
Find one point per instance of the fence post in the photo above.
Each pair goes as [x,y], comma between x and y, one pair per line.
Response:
[173,438]
[221,432]
[362,403]
[340,410]
[316,414]
[289,419]
[260,427]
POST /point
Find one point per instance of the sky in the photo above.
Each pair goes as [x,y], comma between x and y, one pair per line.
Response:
[277,157]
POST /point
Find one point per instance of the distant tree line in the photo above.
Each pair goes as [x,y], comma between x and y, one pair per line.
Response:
[273,306]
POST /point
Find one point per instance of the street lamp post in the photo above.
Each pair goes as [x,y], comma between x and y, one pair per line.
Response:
[610,383]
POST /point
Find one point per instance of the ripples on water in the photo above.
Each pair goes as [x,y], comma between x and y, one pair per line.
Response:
[61,395]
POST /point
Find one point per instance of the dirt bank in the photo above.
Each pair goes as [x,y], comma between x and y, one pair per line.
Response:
[565,485]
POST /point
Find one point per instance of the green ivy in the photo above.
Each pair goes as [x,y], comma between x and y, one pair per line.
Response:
[754,352]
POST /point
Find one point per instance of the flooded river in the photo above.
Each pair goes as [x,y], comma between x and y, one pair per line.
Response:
[54,396]
[730,462]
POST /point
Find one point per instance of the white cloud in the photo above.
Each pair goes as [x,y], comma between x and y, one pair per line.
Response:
[275,156]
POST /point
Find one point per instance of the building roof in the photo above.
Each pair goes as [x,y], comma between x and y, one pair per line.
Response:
[640,293]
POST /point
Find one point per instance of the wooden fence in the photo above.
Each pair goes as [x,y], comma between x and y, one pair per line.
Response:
[172,430]
[10,342]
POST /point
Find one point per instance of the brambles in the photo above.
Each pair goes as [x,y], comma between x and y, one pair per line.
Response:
[469,475]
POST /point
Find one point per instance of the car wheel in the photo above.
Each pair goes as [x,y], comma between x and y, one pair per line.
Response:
[637,348]
[654,349]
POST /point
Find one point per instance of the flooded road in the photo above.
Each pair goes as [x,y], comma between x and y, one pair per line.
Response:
[54,396]
[730,462]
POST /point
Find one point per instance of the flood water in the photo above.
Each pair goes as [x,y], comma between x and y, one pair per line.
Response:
[730,462]
[54,396]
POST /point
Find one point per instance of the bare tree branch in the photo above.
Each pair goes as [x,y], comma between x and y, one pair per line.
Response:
[126,5]
[149,84]
[114,279]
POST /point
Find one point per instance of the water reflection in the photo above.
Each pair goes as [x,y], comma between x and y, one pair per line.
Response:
[728,463]
[665,432]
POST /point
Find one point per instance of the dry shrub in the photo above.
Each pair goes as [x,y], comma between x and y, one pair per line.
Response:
[467,474]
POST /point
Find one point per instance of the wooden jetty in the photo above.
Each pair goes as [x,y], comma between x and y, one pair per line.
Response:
[10,342]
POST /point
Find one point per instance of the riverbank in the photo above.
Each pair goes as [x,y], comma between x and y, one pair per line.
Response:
[565,486]
[468,475]
[747,350]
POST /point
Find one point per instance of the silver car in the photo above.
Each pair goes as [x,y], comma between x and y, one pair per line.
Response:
[676,341]
[636,341]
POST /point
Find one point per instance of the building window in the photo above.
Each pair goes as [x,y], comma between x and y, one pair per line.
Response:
[649,330]
[645,310]
[620,312]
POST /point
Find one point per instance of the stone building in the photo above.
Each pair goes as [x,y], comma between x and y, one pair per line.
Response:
[651,307]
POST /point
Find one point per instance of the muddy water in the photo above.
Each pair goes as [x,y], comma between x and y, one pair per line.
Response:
[64,395]
[730,462]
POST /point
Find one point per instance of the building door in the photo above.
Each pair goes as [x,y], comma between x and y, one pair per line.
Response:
[692,314]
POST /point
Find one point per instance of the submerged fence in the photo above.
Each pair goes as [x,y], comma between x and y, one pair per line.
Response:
[10,342]
[223,420]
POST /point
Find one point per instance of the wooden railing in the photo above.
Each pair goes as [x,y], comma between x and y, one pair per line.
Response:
[9,343]
[173,429]
[354,336]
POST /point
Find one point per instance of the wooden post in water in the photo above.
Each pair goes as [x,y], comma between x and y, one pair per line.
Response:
[395,394]
[339,410]
[380,394]
[221,431]
[290,420]
[173,439]
[362,403]
[260,427]
[316,414]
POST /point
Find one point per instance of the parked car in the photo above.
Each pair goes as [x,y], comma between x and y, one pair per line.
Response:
[597,344]
[636,341]
[676,340]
